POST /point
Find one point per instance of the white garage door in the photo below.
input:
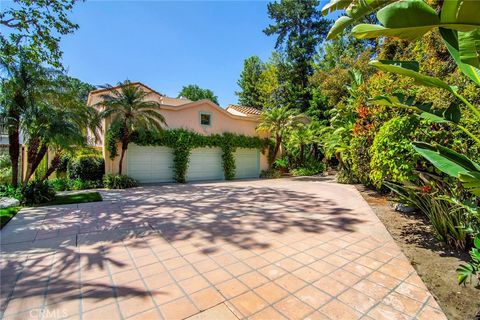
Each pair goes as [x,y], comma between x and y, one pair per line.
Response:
[247,163]
[205,164]
[150,164]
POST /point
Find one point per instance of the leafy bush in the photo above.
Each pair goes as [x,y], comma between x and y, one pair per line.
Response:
[360,158]
[87,167]
[9,191]
[115,181]
[5,169]
[281,163]
[63,184]
[467,271]
[37,192]
[270,174]
[310,170]
[392,155]
[449,219]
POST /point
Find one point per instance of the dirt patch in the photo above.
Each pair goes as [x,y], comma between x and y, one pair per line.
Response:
[434,263]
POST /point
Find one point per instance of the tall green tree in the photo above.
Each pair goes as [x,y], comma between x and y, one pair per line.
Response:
[249,82]
[300,28]
[35,27]
[195,93]
[130,111]
[278,121]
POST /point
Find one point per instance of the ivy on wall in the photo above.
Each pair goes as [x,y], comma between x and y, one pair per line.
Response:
[182,141]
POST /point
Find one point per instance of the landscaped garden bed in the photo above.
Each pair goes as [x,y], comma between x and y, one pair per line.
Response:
[435,263]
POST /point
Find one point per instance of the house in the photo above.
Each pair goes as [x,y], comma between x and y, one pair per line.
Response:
[150,164]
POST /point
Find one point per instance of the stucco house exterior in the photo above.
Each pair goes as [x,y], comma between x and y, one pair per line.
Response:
[150,164]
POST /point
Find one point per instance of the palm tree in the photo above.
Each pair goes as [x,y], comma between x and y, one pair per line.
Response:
[277,121]
[129,110]
[23,87]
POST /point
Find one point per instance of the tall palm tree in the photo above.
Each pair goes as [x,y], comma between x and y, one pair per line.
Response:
[277,121]
[130,111]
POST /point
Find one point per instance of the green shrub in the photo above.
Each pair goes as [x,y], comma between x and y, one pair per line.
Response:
[64,184]
[37,192]
[346,177]
[392,155]
[115,181]
[87,167]
[60,184]
[9,191]
[310,170]
[449,220]
[270,174]
[360,158]
[281,163]
[5,169]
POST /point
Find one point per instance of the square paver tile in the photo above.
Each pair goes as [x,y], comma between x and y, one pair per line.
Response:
[293,308]
[313,296]
[337,310]
[271,292]
[248,303]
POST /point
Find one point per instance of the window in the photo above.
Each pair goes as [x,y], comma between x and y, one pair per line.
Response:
[205,119]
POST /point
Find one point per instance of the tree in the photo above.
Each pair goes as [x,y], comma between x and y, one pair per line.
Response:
[195,93]
[48,108]
[300,28]
[250,94]
[35,27]
[278,121]
[129,111]
[21,90]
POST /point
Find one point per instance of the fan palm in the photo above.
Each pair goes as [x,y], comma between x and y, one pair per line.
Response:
[129,110]
[278,121]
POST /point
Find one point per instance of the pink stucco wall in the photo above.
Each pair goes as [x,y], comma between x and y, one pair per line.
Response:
[187,116]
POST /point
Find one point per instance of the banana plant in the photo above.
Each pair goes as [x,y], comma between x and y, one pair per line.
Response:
[409,20]
[458,22]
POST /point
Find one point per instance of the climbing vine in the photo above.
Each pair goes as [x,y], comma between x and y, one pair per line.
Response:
[182,141]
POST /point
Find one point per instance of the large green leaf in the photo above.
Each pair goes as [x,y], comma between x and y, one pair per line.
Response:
[450,37]
[413,13]
[469,47]
[460,11]
[411,19]
[471,181]
[335,5]
[418,77]
[338,27]
[446,160]
[356,10]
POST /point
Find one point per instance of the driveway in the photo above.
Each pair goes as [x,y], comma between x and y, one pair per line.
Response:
[265,249]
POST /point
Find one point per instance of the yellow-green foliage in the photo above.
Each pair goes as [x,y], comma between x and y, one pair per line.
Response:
[392,154]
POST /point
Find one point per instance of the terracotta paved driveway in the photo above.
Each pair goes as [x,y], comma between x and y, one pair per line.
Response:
[270,249]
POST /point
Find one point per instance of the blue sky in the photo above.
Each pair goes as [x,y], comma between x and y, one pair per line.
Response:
[167,44]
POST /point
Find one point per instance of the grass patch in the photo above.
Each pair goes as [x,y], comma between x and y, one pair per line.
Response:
[75,198]
[7,214]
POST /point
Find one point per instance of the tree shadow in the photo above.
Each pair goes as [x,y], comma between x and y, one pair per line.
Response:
[104,235]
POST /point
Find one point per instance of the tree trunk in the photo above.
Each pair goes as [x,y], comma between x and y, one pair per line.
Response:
[53,166]
[302,154]
[35,154]
[14,152]
[278,141]
[122,155]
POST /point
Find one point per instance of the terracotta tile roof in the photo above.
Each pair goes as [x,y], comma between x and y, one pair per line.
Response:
[245,110]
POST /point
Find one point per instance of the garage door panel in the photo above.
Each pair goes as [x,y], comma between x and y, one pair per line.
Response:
[150,164]
[247,163]
[205,164]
